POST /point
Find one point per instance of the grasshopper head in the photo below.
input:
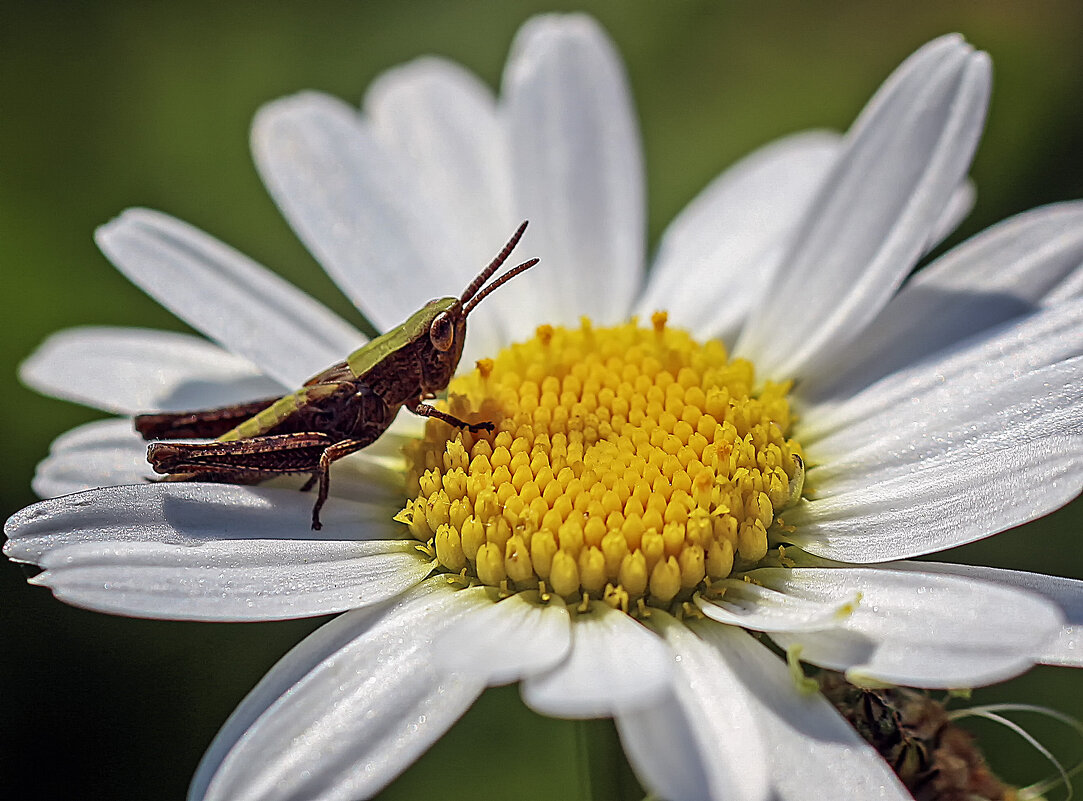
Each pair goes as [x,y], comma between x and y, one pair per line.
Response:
[447,327]
[444,348]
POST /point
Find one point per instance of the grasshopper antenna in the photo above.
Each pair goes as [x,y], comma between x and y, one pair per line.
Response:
[494,265]
[526,265]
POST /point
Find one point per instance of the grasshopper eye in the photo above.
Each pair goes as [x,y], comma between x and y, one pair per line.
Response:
[442,332]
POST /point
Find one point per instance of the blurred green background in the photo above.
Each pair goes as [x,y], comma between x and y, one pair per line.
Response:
[109,104]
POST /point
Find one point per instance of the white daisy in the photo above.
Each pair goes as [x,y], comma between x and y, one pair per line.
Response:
[633,466]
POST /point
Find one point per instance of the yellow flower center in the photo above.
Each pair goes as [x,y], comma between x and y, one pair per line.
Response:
[629,464]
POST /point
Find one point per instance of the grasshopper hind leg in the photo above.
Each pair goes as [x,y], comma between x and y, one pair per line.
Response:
[250,461]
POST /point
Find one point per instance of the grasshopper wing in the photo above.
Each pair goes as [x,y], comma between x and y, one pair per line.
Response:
[205,424]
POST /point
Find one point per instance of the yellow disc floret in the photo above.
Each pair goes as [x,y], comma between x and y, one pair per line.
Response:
[628,464]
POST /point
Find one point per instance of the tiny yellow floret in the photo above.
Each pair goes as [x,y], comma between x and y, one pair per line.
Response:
[631,465]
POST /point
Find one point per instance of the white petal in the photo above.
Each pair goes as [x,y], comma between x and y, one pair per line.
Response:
[762,609]
[577,173]
[1066,647]
[231,580]
[506,641]
[132,370]
[290,669]
[876,212]
[1000,274]
[355,206]
[615,665]
[950,421]
[918,629]
[661,744]
[701,740]
[99,454]
[986,465]
[814,753]
[972,368]
[960,204]
[188,514]
[727,242]
[348,710]
[441,122]
[234,301]
[368,477]
[941,505]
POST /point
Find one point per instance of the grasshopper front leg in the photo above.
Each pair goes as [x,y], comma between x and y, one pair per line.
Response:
[424,410]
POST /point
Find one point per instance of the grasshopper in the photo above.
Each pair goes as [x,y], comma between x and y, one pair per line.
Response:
[341,410]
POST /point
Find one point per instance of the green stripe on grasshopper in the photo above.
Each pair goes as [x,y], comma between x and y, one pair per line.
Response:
[277,412]
[362,360]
